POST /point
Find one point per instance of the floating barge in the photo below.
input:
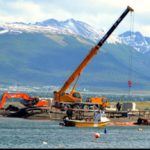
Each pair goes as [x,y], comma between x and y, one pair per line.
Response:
[121,118]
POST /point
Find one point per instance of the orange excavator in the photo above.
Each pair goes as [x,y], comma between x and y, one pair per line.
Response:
[74,96]
[28,101]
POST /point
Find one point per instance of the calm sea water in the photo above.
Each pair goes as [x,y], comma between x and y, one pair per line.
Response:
[22,133]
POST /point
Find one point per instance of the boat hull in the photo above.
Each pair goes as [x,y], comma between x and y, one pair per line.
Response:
[82,123]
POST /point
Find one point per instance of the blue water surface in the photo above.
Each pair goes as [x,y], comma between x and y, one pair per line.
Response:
[22,133]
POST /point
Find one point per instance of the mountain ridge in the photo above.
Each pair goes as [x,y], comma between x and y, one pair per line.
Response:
[35,55]
[78,28]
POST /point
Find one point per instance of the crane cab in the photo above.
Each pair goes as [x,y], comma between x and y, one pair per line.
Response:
[73,97]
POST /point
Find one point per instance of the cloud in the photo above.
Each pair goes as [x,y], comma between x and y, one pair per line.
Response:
[19,11]
[36,10]
[30,11]
[98,13]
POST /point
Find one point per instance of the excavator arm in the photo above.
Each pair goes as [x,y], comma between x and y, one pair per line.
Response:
[34,101]
[61,95]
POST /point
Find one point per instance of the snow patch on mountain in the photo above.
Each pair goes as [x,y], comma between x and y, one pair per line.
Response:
[78,28]
[73,26]
[68,27]
[136,40]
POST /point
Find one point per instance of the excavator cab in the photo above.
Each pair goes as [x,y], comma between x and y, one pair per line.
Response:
[32,103]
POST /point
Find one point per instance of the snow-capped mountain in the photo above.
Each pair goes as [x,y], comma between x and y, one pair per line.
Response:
[136,40]
[47,52]
[69,27]
[78,28]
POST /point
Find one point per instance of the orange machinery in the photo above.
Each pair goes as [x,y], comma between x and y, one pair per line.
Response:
[75,96]
[29,101]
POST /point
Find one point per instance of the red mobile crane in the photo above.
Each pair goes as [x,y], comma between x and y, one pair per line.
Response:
[75,97]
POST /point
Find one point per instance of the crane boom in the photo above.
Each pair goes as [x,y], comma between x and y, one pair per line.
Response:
[90,55]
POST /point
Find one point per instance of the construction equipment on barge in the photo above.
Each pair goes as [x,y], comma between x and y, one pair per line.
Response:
[28,101]
[61,97]
[31,105]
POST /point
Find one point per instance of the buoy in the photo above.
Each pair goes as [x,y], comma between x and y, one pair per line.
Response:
[140,129]
[105,130]
[97,135]
[44,142]
[130,83]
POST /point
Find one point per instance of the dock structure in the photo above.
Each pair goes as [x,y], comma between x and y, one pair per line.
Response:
[88,114]
[140,117]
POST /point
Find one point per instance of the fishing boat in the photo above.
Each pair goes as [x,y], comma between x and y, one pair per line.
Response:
[99,120]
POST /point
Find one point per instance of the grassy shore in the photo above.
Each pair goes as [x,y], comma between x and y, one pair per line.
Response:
[139,105]
[143,105]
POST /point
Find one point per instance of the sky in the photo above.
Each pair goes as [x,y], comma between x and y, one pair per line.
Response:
[100,14]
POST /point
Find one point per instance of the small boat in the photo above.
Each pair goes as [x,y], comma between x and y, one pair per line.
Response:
[84,123]
[103,121]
